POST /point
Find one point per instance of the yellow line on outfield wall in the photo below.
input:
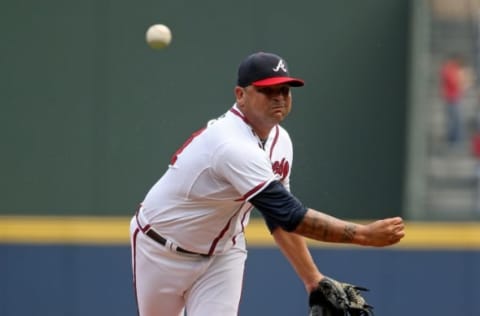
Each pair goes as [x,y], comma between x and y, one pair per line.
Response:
[115,231]
[64,230]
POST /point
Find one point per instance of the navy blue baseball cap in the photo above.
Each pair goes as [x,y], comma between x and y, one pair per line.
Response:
[265,69]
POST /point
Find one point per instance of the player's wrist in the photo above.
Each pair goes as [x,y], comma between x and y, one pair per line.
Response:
[312,283]
[361,235]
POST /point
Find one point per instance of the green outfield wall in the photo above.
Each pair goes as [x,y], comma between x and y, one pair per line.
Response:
[90,115]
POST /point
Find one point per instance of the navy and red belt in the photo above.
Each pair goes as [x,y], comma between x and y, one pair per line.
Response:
[147,230]
[152,234]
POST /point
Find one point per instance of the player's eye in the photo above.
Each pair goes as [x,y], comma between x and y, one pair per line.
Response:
[285,90]
[273,91]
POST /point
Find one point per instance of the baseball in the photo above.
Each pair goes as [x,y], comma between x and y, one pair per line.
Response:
[158,36]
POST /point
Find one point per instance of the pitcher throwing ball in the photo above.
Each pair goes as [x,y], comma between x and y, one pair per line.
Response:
[187,237]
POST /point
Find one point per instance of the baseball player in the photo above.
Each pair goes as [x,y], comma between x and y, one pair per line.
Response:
[187,237]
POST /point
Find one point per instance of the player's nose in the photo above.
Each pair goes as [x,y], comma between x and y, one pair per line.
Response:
[279,99]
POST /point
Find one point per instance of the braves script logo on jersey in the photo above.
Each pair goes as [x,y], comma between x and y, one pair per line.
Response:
[281,168]
[280,65]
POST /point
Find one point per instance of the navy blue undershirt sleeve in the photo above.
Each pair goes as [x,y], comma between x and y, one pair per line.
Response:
[279,207]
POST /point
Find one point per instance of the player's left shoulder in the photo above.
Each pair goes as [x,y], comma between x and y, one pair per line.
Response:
[283,134]
[282,129]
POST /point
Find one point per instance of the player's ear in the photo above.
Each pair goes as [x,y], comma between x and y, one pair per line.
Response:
[239,94]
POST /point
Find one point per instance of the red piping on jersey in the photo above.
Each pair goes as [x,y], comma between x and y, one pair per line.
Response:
[240,115]
[275,139]
[277,129]
[215,241]
[234,238]
[245,215]
[134,244]
[144,229]
[251,192]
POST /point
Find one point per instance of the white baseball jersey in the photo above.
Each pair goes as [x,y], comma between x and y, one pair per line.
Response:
[201,202]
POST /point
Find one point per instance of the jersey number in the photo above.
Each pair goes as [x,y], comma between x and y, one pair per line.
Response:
[187,142]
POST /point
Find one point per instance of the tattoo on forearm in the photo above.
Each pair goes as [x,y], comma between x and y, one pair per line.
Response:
[319,228]
[348,233]
[316,225]
[326,230]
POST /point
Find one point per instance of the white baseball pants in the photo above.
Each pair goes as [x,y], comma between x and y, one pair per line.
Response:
[167,282]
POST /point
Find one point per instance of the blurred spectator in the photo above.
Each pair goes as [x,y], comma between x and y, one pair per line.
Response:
[476,153]
[454,82]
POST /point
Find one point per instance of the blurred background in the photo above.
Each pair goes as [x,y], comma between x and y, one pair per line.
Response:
[388,124]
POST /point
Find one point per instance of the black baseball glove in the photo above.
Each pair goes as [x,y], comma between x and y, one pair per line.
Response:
[333,298]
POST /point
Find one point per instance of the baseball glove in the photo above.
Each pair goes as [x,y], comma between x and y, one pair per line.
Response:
[333,298]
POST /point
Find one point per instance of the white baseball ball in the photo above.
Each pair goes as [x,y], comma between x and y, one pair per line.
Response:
[158,36]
